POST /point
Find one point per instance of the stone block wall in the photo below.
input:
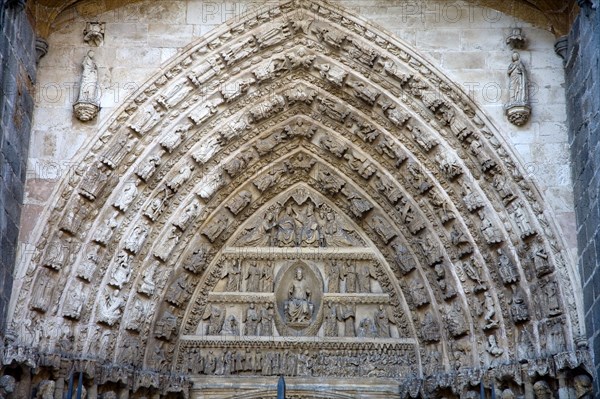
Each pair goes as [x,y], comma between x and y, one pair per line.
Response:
[17,75]
[583,101]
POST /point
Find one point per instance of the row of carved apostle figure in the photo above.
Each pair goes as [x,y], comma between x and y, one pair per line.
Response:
[339,320]
[342,277]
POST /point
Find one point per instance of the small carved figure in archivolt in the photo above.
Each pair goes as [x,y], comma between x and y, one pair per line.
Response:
[173,138]
[146,169]
[42,291]
[239,202]
[105,231]
[519,309]
[478,149]
[185,172]
[87,267]
[471,198]
[74,302]
[148,285]
[491,234]
[506,268]
[127,196]
[430,328]
[109,307]
[418,292]
[136,240]
[122,270]
[492,346]
[146,118]
[216,228]
[187,216]
[402,258]
[490,311]
[460,240]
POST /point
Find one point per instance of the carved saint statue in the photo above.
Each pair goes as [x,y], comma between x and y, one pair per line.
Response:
[233,274]
[517,109]
[333,277]
[109,307]
[146,169]
[382,322]
[88,103]
[265,325]
[298,307]
[216,318]
[517,80]
[104,232]
[350,277]
[127,196]
[330,327]
[122,271]
[251,320]
[266,281]
[252,277]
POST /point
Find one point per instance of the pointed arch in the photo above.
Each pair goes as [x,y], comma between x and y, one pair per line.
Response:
[303,95]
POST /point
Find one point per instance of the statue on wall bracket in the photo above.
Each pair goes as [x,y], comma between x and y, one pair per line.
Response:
[518,108]
[88,103]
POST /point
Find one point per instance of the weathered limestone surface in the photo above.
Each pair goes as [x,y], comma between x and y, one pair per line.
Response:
[583,94]
[17,76]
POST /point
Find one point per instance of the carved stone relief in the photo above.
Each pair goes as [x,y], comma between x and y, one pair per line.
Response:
[330,212]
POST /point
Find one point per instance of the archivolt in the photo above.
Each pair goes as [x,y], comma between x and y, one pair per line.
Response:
[303,95]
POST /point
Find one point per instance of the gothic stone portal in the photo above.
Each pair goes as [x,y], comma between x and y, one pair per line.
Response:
[299,193]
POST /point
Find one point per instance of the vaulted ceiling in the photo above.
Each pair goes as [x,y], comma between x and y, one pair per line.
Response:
[553,15]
